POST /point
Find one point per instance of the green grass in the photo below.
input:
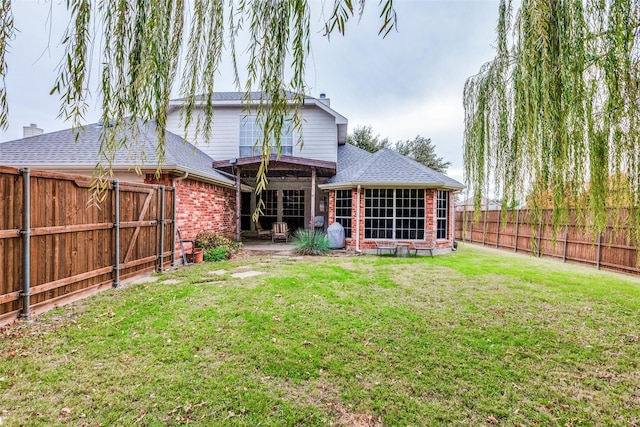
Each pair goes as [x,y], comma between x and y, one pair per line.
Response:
[477,337]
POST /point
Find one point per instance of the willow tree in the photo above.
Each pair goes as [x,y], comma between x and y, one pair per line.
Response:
[142,41]
[556,112]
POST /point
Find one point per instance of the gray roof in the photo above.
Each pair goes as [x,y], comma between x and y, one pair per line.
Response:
[61,149]
[237,96]
[356,166]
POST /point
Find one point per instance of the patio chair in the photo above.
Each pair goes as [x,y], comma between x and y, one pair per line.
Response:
[261,231]
[386,245]
[428,244]
[280,231]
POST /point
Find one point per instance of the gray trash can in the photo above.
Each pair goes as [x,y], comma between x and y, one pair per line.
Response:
[335,232]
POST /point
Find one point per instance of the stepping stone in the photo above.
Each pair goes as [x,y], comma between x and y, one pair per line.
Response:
[245,274]
[171,282]
[217,272]
[148,279]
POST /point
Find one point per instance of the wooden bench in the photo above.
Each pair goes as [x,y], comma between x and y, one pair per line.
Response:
[428,244]
[386,245]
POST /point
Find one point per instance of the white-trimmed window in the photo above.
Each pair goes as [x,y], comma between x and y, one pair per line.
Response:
[251,138]
[394,214]
[442,214]
[343,210]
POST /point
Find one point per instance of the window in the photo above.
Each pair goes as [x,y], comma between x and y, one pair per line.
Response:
[343,210]
[293,208]
[394,214]
[270,210]
[410,214]
[442,214]
[251,138]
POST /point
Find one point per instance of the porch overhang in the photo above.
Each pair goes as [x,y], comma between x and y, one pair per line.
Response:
[283,164]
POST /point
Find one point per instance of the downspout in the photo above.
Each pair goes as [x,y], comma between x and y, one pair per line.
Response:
[175,217]
[358,221]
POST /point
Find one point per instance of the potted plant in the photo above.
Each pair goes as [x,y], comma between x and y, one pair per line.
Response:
[197,255]
[215,247]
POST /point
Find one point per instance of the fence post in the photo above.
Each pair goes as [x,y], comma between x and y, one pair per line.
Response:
[599,249]
[471,229]
[26,244]
[116,232]
[564,250]
[161,268]
[515,243]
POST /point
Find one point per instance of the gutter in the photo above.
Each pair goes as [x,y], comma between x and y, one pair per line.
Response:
[358,222]
[388,184]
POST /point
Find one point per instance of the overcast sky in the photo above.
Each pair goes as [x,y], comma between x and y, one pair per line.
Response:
[408,84]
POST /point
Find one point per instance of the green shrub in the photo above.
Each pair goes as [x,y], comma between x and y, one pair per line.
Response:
[215,246]
[216,254]
[308,242]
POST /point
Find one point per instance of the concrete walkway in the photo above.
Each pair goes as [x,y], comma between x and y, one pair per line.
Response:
[259,247]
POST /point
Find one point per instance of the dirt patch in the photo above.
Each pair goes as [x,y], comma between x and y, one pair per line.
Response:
[354,419]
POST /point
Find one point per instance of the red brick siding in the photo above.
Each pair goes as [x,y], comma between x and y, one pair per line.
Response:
[202,206]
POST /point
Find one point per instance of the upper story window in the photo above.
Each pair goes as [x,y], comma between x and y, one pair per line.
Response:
[251,138]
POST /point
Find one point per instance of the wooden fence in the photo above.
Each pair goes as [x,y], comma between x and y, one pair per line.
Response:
[57,247]
[516,231]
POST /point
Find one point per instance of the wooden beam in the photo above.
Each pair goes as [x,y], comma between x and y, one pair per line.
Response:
[10,234]
[313,199]
[41,231]
[238,207]
[69,280]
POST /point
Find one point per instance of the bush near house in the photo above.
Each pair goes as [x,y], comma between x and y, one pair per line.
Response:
[215,246]
[309,242]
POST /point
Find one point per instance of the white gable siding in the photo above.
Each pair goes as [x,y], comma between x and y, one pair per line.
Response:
[319,133]
[224,132]
[320,136]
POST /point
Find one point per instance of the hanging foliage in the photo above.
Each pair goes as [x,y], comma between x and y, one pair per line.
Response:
[554,115]
[141,42]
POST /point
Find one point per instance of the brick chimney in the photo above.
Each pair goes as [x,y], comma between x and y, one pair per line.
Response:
[31,130]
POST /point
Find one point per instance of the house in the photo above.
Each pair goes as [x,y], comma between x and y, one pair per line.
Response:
[380,196]
[388,196]
[292,194]
[374,196]
[485,205]
[205,197]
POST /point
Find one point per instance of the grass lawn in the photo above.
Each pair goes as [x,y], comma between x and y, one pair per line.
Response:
[478,337]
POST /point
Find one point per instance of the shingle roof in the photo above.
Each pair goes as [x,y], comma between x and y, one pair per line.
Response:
[60,149]
[356,166]
[236,96]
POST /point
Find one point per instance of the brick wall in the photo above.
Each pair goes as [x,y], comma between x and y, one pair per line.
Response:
[202,206]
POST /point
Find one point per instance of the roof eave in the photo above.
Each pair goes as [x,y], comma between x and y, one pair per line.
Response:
[387,184]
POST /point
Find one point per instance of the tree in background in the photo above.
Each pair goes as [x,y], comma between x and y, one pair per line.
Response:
[419,149]
[362,137]
[557,112]
[422,151]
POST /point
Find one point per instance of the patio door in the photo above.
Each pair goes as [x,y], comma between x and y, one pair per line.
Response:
[293,208]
